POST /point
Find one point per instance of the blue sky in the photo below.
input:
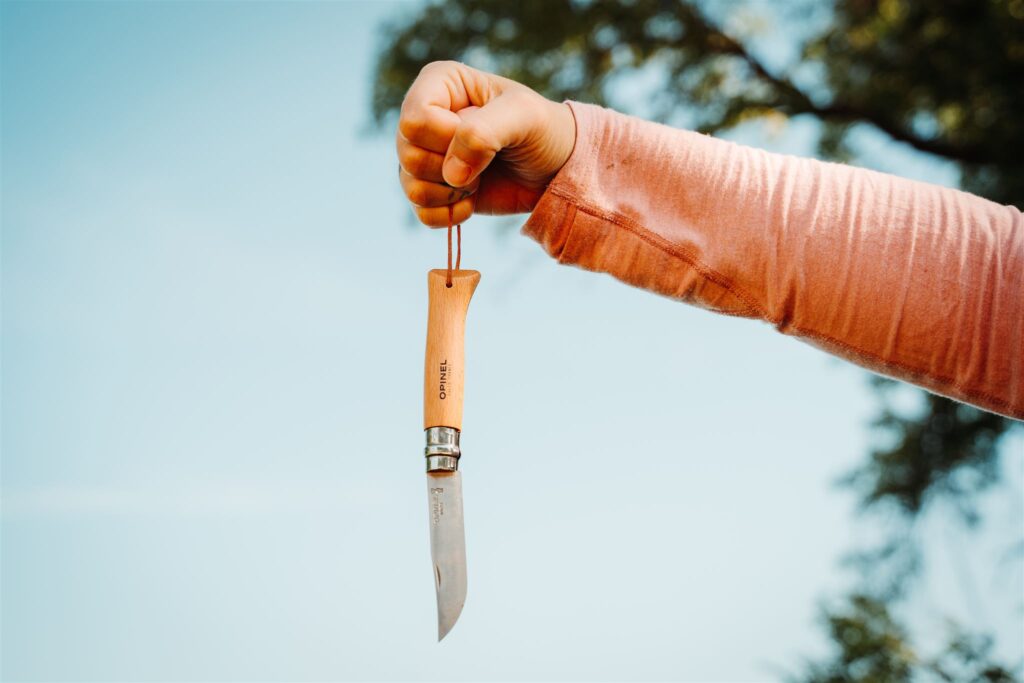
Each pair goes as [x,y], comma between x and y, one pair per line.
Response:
[213,318]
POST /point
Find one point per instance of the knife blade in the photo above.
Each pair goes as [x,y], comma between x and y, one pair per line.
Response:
[442,423]
[447,547]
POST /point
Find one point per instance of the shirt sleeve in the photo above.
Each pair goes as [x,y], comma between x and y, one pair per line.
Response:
[910,280]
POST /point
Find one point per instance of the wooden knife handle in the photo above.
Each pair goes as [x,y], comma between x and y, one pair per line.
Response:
[446,328]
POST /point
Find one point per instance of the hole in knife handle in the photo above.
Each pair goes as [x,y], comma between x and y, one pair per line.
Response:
[437,576]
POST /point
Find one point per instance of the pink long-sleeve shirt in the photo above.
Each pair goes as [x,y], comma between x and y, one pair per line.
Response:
[910,280]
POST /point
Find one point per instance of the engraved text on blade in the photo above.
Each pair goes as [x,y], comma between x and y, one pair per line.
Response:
[436,505]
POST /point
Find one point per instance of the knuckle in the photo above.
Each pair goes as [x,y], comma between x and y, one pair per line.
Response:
[413,124]
[430,66]
[414,192]
[414,161]
[407,159]
[437,65]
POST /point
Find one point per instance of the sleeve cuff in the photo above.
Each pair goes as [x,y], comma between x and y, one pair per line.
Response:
[551,221]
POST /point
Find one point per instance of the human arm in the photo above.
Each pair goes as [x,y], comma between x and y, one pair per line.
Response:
[908,279]
[911,280]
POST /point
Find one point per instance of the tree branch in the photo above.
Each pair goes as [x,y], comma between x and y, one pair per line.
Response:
[800,103]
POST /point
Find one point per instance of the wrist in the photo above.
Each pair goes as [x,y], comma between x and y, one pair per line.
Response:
[564,128]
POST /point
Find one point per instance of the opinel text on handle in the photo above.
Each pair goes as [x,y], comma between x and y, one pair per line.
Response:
[444,370]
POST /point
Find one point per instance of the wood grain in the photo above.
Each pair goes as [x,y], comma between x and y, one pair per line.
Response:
[444,369]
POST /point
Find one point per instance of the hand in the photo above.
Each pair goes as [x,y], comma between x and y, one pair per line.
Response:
[480,142]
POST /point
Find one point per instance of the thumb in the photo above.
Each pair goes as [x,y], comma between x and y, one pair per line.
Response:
[480,135]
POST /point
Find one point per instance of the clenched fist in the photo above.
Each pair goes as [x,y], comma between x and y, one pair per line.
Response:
[479,142]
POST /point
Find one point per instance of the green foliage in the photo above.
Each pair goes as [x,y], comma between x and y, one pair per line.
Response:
[948,450]
[945,77]
[870,646]
[575,50]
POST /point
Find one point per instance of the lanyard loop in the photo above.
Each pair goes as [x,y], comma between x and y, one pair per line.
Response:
[458,255]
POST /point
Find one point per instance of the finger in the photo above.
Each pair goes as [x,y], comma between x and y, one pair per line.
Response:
[426,194]
[441,88]
[428,126]
[419,162]
[484,132]
[427,117]
[447,84]
[437,217]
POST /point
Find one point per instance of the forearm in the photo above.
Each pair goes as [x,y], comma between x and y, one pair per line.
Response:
[908,279]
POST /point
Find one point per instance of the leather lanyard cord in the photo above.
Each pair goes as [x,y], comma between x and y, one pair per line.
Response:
[458,254]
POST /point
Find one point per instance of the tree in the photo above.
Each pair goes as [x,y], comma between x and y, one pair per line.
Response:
[871,647]
[941,77]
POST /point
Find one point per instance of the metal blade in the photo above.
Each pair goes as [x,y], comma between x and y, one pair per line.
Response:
[447,547]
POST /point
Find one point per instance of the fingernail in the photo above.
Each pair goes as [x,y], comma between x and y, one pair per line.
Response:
[456,171]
